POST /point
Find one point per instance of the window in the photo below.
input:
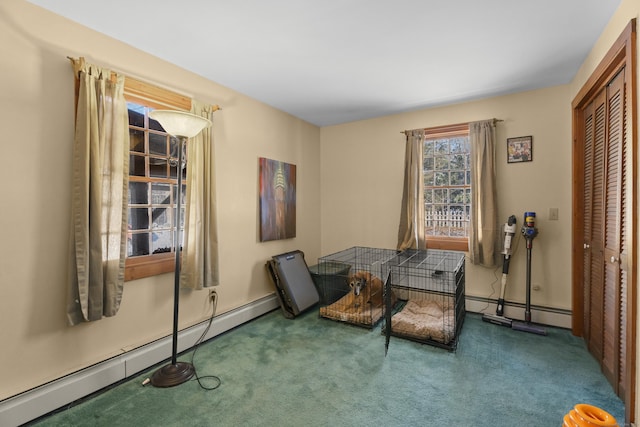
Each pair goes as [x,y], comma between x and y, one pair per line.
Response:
[447,187]
[153,177]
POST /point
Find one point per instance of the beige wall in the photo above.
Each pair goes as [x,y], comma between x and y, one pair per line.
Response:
[36,118]
[628,10]
[361,175]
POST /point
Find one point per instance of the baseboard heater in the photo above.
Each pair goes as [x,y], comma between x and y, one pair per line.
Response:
[549,316]
[56,394]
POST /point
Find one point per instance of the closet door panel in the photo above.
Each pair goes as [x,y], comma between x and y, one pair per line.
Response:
[588,115]
[612,230]
[596,266]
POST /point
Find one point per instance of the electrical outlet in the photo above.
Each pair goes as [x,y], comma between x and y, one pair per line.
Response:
[213,295]
[553,214]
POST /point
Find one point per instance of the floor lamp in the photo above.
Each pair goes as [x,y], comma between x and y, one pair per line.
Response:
[183,126]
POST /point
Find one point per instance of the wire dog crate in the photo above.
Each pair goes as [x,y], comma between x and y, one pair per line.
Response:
[350,284]
[430,287]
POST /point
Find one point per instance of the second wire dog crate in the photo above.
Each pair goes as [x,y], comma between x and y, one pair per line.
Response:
[430,287]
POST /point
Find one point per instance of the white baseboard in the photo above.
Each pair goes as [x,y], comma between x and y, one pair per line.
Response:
[541,315]
[37,402]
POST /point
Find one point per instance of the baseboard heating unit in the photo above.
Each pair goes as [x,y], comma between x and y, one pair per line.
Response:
[44,399]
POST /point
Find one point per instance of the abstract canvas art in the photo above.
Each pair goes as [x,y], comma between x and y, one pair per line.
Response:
[277,200]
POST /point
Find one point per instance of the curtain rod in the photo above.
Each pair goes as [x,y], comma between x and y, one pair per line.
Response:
[78,63]
[447,126]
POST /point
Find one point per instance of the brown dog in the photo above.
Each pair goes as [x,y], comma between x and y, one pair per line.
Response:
[368,289]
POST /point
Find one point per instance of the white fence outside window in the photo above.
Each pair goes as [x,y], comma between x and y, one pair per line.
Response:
[448,222]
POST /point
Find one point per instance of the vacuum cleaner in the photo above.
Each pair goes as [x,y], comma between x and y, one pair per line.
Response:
[529,231]
[509,230]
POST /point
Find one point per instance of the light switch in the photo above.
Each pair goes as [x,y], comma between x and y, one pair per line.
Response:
[553,214]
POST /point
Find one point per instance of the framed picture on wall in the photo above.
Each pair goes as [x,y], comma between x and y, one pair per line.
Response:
[520,149]
[277,200]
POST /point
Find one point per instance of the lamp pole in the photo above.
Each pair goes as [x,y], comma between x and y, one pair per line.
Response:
[177,372]
[182,126]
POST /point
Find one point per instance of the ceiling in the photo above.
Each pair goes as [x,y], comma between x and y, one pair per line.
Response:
[337,61]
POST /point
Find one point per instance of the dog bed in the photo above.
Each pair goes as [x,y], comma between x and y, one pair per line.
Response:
[425,320]
[350,308]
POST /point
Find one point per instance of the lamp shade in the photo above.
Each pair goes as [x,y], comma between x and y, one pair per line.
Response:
[179,123]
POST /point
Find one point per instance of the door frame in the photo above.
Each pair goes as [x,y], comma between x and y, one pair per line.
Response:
[621,54]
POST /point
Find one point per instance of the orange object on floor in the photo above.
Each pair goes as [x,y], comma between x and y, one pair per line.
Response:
[583,415]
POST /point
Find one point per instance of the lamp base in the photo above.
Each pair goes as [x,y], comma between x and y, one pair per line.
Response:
[172,375]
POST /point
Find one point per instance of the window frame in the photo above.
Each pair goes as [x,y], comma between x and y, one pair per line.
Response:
[142,93]
[445,242]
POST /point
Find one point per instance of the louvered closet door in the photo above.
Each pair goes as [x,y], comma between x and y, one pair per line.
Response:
[587,225]
[605,287]
[614,314]
[605,176]
[587,162]
[595,125]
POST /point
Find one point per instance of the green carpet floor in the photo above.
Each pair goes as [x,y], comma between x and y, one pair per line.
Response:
[316,372]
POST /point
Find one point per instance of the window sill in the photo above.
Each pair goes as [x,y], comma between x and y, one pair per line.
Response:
[147,266]
[448,244]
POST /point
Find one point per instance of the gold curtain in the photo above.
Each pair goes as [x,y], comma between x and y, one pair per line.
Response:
[99,189]
[483,231]
[411,229]
[200,252]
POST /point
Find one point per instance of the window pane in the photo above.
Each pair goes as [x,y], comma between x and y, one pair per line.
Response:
[157,144]
[136,114]
[138,194]
[138,218]
[441,146]
[441,178]
[441,163]
[428,196]
[136,165]
[456,196]
[173,170]
[161,218]
[184,192]
[157,167]
[429,228]
[138,244]
[136,140]
[440,195]
[153,124]
[161,241]
[182,214]
[457,178]
[173,148]
[428,179]
[458,222]
[459,145]
[457,162]
[160,194]
[439,222]
[428,148]
[428,164]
